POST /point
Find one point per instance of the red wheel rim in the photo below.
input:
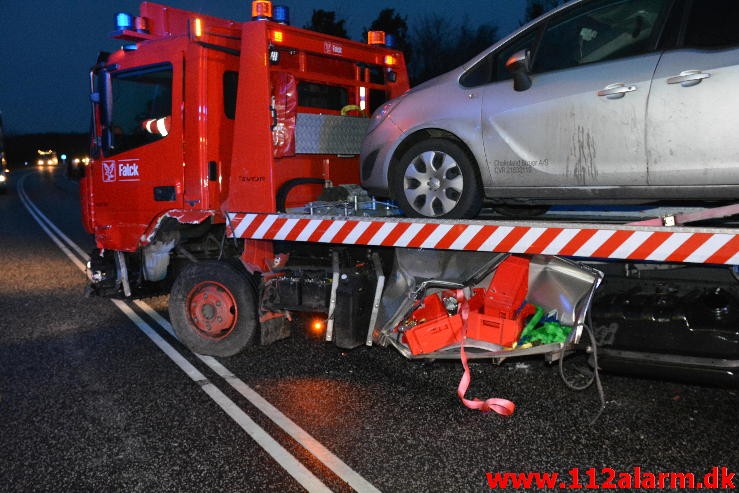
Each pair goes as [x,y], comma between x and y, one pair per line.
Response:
[212,309]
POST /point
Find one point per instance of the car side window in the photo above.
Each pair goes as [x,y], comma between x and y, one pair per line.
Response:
[600,31]
[713,24]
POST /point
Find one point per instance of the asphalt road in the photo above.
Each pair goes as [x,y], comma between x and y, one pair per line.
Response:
[96,396]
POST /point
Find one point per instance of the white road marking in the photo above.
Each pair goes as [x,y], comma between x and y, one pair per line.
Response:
[42,220]
[289,426]
[293,467]
[297,470]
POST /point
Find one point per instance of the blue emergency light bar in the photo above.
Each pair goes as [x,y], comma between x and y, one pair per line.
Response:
[281,14]
[123,21]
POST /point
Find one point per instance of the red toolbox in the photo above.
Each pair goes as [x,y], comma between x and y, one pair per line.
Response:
[434,335]
[508,288]
[431,309]
[497,330]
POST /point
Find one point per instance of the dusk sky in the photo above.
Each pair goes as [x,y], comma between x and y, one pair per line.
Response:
[48,46]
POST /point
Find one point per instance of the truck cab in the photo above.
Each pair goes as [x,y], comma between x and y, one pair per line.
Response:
[196,116]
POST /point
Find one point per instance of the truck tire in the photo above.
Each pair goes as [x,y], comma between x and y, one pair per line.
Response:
[437,178]
[213,308]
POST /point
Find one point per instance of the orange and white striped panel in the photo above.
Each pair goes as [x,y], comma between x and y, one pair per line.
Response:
[638,243]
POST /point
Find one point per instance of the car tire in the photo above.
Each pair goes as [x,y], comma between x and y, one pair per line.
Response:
[213,308]
[436,178]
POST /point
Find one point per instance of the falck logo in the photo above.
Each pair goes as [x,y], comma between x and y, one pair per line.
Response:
[109,171]
[123,170]
[332,48]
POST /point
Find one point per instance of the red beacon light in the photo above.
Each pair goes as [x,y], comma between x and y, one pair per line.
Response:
[141,24]
[131,28]
[261,10]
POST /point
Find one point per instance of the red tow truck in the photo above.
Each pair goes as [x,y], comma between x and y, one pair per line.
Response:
[223,158]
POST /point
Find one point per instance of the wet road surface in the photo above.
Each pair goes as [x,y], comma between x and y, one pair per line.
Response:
[90,401]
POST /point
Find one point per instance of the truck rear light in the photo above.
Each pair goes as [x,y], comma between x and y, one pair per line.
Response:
[362,98]
[390,60]
[274,56]
[277,36]
[261,10]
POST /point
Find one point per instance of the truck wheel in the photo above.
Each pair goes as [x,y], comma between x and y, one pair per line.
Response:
[437,178]
[213,308]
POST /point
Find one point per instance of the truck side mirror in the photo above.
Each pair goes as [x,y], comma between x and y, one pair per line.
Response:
[518,65]
[104,98]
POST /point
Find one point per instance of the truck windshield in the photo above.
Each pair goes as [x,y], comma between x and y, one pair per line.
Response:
[142,107]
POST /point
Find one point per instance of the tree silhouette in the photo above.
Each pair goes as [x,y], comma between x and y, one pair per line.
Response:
[440,46]
[324,21]
[535,8]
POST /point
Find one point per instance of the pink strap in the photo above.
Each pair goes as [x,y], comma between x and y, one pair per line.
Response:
[500,406]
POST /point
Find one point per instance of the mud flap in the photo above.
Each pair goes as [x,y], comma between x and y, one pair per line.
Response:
[273,327]
[354,304]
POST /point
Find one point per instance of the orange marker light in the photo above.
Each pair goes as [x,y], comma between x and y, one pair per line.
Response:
[197,27]
[277,36]
[375,37]
[390,60]
[261,9]
[318,325]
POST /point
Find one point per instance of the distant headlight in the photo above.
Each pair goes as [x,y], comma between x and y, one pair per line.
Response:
[382,113]
[40,162]
[2,178]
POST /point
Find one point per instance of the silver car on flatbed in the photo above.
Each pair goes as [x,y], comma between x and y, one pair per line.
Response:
[597,101]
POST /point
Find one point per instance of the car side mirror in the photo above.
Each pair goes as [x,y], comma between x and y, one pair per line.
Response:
[518,65]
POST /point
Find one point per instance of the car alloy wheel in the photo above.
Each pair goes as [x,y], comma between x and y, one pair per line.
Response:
[437,179]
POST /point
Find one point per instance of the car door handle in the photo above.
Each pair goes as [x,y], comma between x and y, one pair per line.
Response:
[616,91]
[689,78]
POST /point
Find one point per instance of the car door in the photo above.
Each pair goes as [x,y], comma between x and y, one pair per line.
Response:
[693,108]
[582,121]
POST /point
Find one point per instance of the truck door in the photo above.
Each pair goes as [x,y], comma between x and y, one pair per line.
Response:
[140,173]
